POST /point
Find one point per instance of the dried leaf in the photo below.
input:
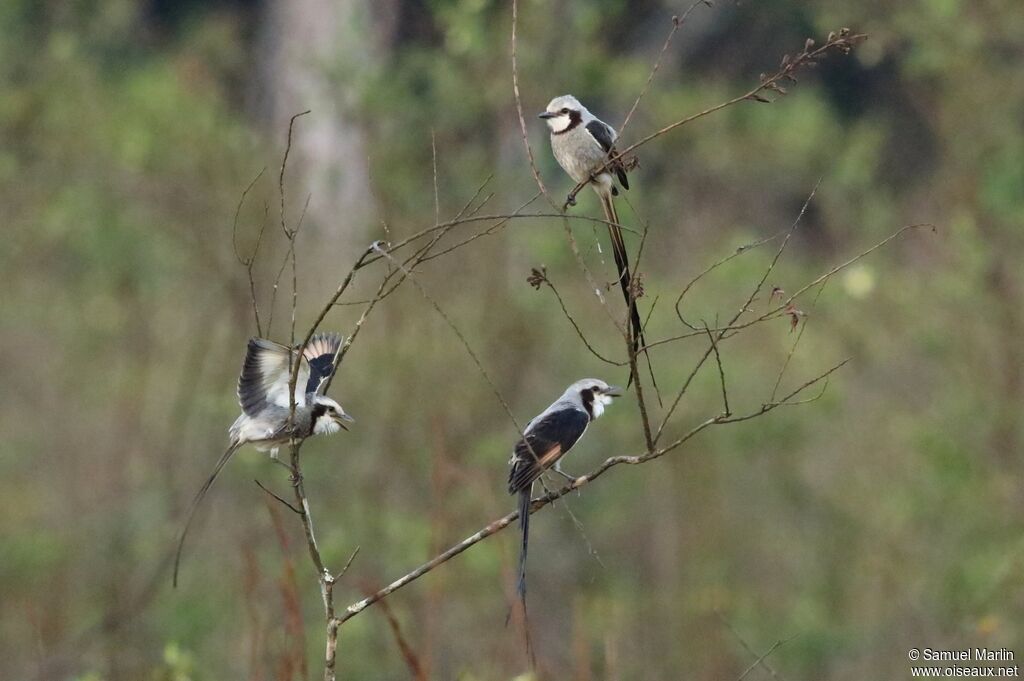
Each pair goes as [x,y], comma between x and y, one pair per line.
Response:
[537,277]
[794,316]
[637,287]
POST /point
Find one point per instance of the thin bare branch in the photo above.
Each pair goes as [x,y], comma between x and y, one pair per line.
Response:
[728,625]
[234,223]
[744,308]
[295,267]
[778,644]
[519,109]
[462,339]
[290,507]
[796,342]
[780,310]
[539,277]
[708,270]
[284,164]
[433,163]
[249,262]
[721,372]
[677,23]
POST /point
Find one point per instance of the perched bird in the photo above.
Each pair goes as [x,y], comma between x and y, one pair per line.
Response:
[582,144]
[263,397]
[546,439]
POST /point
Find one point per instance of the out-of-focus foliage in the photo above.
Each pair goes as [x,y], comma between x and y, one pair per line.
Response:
[887,515]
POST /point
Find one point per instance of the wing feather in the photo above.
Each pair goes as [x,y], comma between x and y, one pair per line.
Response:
[602,134]
[605,136]
[320,353]
[546,441]
[265,377]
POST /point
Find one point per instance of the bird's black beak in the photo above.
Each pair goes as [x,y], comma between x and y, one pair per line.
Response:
[546,114]
[613,391]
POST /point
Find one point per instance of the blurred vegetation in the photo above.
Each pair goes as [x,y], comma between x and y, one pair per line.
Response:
[885,516]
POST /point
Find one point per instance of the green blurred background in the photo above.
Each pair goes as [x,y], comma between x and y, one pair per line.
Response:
[885,516]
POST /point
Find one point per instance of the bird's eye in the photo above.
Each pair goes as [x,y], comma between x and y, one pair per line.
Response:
[565,111]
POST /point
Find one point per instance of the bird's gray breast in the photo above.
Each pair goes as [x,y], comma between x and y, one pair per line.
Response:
[577,152]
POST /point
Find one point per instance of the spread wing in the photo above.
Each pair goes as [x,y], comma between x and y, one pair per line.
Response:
[319,354]
[265,376]
[605,136]
[267,372]
[546,442]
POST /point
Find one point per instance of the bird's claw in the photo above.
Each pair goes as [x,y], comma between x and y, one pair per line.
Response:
[570,200]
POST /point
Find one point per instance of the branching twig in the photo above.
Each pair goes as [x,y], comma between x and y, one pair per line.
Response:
[780,310]
[249,262]
[539,277]
[721,372]
[708,270]
[746,306]
[284,164]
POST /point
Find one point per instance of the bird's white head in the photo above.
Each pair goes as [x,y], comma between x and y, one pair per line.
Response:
[564,113]
[592,394]
[328,416]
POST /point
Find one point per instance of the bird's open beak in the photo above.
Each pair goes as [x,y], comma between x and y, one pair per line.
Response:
[547,114]
[341,418]
[613,391]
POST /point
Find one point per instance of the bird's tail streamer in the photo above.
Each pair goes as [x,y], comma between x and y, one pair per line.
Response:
[625,281]
[224,458]
[524,526]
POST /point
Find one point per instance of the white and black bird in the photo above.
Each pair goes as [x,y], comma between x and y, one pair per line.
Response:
[264,399]
[582,144]
[546,439]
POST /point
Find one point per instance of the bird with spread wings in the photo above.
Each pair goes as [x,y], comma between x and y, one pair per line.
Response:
[266,420]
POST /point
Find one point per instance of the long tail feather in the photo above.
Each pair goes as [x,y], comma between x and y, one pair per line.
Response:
[524,525]
[625,280]
[224,458]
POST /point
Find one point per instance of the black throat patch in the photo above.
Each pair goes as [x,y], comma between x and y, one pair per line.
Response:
[575,118]
[587,395]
